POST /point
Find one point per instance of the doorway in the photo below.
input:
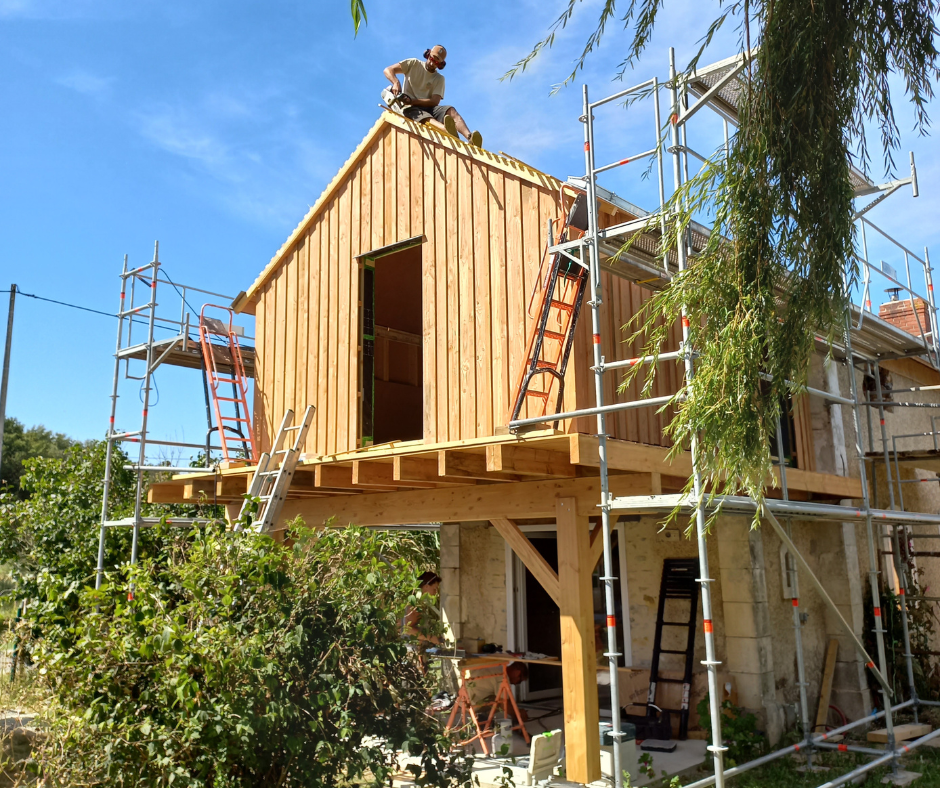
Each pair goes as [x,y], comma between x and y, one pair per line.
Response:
[391,373]
[533,618]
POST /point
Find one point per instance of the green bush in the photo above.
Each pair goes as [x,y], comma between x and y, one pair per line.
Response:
[239,662]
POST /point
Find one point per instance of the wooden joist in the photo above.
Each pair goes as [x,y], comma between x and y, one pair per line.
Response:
[505,458]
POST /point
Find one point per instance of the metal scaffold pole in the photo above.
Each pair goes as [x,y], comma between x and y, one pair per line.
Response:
[148,374]
[711,662]
[869,530]
[608,579]
[102,537]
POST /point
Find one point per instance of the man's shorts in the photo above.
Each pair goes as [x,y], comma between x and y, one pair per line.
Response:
[424,114]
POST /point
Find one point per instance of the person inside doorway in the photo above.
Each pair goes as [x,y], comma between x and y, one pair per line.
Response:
[423,92]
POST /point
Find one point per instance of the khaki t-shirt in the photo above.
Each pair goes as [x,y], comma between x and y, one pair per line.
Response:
[419,82]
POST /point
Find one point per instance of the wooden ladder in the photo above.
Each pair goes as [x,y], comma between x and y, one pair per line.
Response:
[561,306]
[271,481]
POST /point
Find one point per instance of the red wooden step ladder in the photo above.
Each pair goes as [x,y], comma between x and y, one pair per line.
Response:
[222,358]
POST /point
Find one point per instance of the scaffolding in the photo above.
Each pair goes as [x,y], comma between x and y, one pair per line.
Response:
[136,359]
[649,252]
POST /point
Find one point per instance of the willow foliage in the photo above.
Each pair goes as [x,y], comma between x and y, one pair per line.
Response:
[779,264]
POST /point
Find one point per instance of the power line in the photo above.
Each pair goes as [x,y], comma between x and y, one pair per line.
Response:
[61,303]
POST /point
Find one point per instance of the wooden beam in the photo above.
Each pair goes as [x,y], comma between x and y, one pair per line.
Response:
[194,490]
[374,473]
[578,656]
[421,469]
[340,477]
[166,492]
[529,461]
[455,504]
[231,487]
[470,465]
[534,561]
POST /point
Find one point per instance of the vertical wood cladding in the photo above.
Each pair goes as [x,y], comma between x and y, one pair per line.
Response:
[484,230]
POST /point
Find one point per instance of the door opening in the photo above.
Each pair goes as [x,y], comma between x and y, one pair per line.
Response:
[391,379]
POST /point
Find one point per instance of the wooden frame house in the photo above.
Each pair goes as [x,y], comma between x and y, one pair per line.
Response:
[400,308]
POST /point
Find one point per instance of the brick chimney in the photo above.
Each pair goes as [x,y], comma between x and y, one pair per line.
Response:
[900,314]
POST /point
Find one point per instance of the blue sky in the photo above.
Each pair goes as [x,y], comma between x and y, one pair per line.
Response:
[213,126]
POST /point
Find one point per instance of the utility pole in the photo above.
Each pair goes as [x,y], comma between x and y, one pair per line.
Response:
[6,367]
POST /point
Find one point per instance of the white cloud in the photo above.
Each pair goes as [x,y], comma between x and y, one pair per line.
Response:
[86,83]
[241,150]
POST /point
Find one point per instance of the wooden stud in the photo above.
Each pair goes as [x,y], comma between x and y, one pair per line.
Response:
[340,477]
[578,657]
[166,492]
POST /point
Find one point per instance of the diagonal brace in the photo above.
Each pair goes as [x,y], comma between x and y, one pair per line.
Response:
[768,515]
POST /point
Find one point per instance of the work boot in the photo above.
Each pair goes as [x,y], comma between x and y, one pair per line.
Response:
[451,125]
[476,139]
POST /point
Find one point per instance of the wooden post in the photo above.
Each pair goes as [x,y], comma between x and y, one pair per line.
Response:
[578,657]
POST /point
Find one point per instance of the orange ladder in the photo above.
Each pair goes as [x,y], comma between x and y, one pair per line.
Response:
[220,348]
[547,360]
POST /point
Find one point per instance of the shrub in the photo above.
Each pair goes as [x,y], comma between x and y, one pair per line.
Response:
[239,662]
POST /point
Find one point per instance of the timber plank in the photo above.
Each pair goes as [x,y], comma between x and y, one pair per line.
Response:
[333,328]
[499,331]
[403,193]
[452,288]
[313,332]
[434,174]
[290,331]
[352,327]
[516,294]
[279,344]
[371,473]
[825,691]
[377,164]
[324,405]
[303,310]
[341,371]
[906,732]
[166,492]
[482,273]
[391,189]
[467,300]
[531,258]
[259,417]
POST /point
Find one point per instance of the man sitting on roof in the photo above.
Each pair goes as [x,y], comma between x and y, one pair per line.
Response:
[423,91]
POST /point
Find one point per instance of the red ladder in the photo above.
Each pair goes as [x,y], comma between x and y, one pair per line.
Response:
[548,360]
[220,348]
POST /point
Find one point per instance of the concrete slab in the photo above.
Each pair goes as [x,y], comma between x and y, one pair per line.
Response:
[901,778]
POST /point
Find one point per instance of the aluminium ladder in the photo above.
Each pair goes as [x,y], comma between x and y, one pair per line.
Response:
[235,433]
[270,482]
